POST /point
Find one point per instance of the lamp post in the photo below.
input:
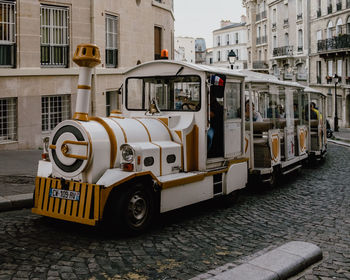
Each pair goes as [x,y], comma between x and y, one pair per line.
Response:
[336,79]
[232,58]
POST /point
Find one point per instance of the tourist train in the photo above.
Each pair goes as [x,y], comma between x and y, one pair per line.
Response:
[185,133]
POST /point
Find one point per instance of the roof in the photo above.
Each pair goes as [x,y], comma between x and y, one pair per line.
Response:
[198,67]
[233,25]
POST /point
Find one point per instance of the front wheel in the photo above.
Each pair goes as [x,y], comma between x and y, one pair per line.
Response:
[135,209]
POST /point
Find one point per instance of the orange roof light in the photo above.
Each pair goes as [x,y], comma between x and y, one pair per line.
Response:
[164,54]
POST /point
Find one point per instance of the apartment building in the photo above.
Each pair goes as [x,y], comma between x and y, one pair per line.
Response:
[330,55]
[257,35]
[38,79]
[200,48]
[230,36]
[288,40]
[185,49]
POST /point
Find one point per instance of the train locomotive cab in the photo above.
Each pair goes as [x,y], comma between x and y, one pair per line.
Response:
[178,140]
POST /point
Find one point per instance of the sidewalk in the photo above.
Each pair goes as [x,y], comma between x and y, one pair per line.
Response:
[342,137]
[17,174]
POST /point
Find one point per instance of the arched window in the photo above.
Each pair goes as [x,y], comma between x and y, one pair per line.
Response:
[330,30]
[338,29]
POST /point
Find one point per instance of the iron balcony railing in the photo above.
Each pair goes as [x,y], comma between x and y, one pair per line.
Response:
[261,40]
[301,76]
[260,64]
[261,16]
[283,51]
[335,43]
[8,55]
[258,17]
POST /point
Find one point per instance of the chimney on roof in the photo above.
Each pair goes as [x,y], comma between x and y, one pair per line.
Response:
[243,19]
[224,23]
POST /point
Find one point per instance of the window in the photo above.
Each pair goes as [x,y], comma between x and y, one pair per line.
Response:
[300,40]
[330,30]
[237,54]
[227,39]
[274,18]
[319,35]
[7,34]
[237,41]
[218,40]
[330,103]
[54,109]
[111,41]
[170,93]
[299,9]
[319,72]
[330,68]
[274,42]
[8,119]
[348,25]
[338,29]
[54,42]
[219,56]
[233,100]
[157,42]
[286,39]
[112,101]
[339,68]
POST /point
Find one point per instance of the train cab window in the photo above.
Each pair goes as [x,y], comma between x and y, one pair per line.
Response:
[173,93]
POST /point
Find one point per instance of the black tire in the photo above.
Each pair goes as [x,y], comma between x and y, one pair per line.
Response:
[135,209]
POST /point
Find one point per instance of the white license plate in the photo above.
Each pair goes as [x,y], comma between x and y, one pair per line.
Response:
[71,195]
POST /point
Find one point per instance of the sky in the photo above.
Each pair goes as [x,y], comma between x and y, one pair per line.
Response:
[199,18]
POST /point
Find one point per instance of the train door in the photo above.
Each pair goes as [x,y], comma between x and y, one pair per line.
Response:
[232,119]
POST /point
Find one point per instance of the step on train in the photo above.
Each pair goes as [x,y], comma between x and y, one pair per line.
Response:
[186,133]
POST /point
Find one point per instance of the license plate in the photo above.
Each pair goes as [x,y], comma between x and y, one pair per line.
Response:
[70,195]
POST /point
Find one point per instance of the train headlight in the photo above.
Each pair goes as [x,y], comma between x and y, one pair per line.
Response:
[128,153]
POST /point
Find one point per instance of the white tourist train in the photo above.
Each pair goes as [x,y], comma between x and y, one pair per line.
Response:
[186,133]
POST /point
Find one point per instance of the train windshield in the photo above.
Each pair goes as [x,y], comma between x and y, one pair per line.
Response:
[173,93]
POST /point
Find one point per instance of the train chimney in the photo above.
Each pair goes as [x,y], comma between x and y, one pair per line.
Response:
[87,56]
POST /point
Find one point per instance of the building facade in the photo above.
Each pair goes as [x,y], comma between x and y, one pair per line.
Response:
[38,79]
[257,35]
[288,25]
[230,36]
[200,49]
[185,49]
[330,55]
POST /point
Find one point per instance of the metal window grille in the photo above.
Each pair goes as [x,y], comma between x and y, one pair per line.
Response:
[8,119]
[54,37]
[54,109]
[111,41]
[7,33]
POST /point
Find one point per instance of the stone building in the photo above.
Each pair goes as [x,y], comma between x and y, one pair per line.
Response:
[257,35]
[200,48]
[330,55]
[38,79]
[185,49]
[288,41]
[230,36]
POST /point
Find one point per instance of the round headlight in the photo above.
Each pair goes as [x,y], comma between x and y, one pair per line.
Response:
[128,153]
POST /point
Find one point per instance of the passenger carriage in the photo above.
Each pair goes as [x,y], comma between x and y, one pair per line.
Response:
[153,156]
[278,141]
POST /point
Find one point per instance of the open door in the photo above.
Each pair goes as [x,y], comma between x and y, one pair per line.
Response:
[232,119]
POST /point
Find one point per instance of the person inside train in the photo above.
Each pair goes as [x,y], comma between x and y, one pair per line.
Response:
[256,115]
[215,132]
[272,111]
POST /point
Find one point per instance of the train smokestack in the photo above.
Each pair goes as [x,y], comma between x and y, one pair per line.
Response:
[87,56]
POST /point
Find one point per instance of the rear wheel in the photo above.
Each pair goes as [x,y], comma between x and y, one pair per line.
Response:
[135,209]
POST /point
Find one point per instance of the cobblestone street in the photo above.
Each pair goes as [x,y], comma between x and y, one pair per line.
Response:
[312,207]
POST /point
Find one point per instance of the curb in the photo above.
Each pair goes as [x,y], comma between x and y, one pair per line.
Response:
[338,142]
[280,263]
[19,201]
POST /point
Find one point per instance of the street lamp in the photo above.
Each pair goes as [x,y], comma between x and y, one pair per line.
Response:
[336,79]
[232,58]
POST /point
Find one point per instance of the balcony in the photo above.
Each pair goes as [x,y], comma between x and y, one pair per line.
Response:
[260,65]
[319,13]
[300,16]
[329,9]
[258,17]
[283,51]
[302,77]
[328,79]
[347,80]
[261,16]
[339,6]
[287,76]
[335,43]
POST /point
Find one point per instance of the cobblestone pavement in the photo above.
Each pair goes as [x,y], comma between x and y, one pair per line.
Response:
[312,207]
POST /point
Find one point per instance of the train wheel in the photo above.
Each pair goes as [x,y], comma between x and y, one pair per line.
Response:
[135,210]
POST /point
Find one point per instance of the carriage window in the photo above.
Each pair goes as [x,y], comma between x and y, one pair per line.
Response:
[233,100]
[180,93]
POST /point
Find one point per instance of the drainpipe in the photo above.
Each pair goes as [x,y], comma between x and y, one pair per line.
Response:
[92,40]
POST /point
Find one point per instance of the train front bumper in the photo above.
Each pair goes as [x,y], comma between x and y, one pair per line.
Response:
[67,200]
